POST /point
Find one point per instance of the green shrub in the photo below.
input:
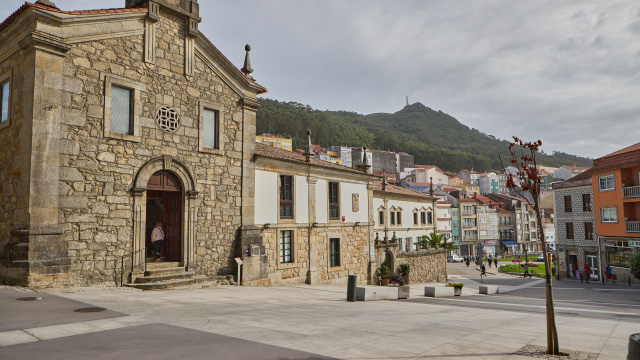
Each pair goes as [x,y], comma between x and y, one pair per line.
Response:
[384,271]
[635,266]
[456,285]
[405,269]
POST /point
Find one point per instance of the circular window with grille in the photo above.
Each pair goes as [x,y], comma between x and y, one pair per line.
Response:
[168,119]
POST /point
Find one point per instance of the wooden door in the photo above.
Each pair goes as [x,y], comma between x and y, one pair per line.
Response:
[172,225]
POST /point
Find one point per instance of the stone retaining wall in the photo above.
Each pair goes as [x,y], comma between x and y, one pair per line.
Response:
[426,266]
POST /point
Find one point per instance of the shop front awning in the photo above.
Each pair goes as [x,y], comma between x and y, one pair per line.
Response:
[509,243]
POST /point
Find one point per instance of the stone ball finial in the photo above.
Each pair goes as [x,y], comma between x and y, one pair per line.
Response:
[46,3]
[247,47]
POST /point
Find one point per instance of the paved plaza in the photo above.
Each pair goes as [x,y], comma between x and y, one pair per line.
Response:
[314,322]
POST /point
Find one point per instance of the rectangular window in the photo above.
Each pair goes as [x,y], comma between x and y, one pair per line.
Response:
[430,218]
[399,244]
[567,203]
[4,101]
[121,110]
[286,197]
[606,183]
[392,217]
[415,218]
[509,220]
[407,242]
[334,202]
[334,252]
[586,202]
[210,129]
[381,217]
[569,227]
[423,218]
[588,231]
[500,221]
[619,255]
[609,214]
[399,218]
[285,246]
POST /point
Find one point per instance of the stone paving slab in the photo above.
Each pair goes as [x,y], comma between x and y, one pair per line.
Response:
[49,310]
[153,342]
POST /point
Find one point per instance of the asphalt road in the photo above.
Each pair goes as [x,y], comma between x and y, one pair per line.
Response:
[570,297]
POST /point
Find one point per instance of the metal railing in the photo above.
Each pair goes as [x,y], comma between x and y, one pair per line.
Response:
[142,266]
[633,226]
[631,192]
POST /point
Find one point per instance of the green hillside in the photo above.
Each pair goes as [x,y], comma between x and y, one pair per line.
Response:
[432,137]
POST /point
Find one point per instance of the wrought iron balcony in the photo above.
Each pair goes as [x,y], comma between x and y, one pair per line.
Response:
[631,192]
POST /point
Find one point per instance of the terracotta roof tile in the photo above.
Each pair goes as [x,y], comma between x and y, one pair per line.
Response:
[393,189]
[624,157]
[270,152]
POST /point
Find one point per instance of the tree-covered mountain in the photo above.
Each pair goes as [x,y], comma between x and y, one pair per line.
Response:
[432,137]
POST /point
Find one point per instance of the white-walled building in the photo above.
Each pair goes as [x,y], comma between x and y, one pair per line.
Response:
[313,218]
[404,213]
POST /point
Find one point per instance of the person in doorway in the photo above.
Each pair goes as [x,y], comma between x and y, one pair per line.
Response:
[609,273]
[526,271]
[157,238]
[495,262]
[586,270]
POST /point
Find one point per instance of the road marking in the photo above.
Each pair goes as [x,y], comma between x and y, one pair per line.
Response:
[568,301]
[544,307]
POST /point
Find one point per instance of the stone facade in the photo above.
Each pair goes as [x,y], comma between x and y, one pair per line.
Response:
[74,193]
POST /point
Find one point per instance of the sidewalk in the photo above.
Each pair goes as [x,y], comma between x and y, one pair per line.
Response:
[305,320]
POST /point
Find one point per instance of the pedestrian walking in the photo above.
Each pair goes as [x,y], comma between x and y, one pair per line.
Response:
[586,270]
[483,270]
[526,271]
[609,273]
[495,261]
[157,238]
[489,261]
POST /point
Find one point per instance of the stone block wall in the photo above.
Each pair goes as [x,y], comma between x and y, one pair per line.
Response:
[426,266]
[353,255]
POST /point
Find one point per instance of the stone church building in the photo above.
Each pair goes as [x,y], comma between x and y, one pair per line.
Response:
[113,120]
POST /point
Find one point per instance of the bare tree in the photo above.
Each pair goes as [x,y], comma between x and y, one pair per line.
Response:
[526,179]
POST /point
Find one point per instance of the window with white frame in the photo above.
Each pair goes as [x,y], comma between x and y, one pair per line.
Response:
[285,246]
[4,100]
[609,214]
[606,182]
[122,108]
[210,127]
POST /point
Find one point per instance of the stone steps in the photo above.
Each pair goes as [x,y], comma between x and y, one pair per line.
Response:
[168,284]
[165,275]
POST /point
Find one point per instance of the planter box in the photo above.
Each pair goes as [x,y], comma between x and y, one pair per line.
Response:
[438,291]
[403,292]
[368,293]
[489,289]
[457,291]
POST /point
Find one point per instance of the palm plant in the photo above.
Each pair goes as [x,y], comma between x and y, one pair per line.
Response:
[435,241]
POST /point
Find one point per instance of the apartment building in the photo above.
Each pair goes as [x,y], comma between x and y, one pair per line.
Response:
[615,181]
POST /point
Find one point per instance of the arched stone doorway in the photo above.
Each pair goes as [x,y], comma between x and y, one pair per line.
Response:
[167,179]
[164,204]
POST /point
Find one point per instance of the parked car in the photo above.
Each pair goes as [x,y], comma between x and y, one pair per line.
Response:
[455,258]
[541,257]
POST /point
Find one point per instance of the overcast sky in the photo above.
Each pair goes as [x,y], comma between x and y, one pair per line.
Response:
[565,72]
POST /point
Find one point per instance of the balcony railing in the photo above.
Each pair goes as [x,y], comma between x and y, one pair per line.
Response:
[633,226]
[468,212]
[631,192]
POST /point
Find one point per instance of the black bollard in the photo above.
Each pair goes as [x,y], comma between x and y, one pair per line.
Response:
[351,288]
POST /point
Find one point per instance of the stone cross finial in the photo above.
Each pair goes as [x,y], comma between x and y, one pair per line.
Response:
[46,3]
[309,151]
[364,166]
[246,69]
[384,180]
[431,187]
